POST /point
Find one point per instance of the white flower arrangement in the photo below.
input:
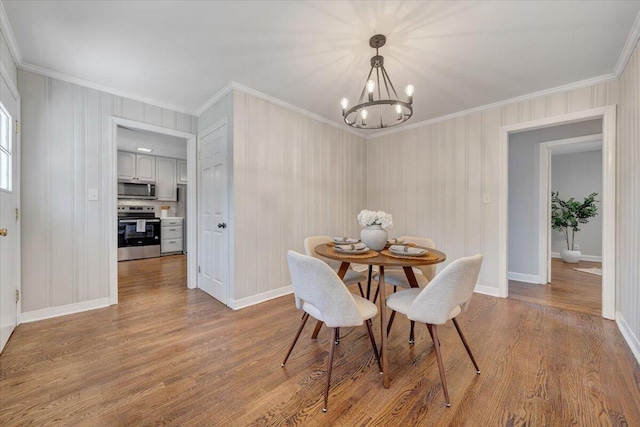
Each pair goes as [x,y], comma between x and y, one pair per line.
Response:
[381,218]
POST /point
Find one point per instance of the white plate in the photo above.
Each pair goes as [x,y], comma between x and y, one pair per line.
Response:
[345,240]
[352,251]
[410,251]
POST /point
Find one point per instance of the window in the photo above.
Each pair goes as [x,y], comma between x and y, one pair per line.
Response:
[6,144]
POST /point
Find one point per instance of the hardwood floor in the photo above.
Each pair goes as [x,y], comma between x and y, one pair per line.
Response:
[167,355]
[568,290]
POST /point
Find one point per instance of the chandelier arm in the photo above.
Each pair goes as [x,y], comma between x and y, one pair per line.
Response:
[391,83]
[384,78]
[364,88]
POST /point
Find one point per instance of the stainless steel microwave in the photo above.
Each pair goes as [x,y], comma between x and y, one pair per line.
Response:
[131,190]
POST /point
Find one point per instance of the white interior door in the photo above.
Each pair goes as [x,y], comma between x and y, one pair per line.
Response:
[9,230]
[212,213]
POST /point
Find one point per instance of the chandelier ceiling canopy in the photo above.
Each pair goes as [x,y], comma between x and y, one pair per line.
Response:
[382,107]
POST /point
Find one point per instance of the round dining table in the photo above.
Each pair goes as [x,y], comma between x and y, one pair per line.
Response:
[382,261]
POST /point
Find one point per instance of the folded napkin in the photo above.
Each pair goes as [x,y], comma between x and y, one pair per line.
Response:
[342,240]
[407,250]
[395,240]
[353,247]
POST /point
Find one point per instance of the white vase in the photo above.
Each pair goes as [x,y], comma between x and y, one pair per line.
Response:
[572,257]
[374,236]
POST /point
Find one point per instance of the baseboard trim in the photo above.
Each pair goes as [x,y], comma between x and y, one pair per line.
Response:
[521,277]
[63,310]
[237,304]
[592,258]
[487,290]
[629,336]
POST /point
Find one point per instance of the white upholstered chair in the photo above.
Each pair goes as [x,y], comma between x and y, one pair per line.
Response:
[350,278]
[398,278]
[320,293]
[444,298]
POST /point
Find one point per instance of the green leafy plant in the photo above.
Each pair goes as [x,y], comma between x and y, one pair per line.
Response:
[570,214]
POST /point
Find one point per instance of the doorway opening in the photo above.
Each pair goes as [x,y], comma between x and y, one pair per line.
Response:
[533,251]
[152,215]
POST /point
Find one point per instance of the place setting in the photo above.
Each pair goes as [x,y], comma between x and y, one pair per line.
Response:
[349,247]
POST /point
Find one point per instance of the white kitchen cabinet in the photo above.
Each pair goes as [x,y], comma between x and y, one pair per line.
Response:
[136,167]
[171,236]
[182,171]
[166,179]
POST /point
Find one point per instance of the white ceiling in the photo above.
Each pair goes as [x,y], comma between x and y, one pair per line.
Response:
[458,55]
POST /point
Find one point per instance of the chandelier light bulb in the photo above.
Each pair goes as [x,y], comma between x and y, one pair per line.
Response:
[408,90]
[371,85]
[364,114]
[399,111]
[345,103]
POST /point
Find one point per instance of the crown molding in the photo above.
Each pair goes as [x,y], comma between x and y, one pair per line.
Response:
[214,99]
[5,27]
[559,89]
[627,50]
[268,98]
[103,88]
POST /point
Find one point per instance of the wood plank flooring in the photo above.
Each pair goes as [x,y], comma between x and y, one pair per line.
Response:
[167,355]
[568,290]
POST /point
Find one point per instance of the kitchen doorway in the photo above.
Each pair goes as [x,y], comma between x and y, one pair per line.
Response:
[153,204]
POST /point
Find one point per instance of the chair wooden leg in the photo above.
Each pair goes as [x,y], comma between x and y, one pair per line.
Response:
[295,340]
[369,281]
[361,291]
[329,366]
[375,297]
[373,343]
[316,331]
[393,315]
[411,335]
[436,346]
[464,341]
[337,341]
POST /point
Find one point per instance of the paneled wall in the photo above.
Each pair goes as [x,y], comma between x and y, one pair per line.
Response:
[293,177]
[432,178]
[65,136]
[7,60]
[628,199]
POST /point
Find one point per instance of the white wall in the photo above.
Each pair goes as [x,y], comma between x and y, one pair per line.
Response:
[432,178]
[577,175]
[524,193]
[65,135]
[7,60]
[628,200]
[293,177]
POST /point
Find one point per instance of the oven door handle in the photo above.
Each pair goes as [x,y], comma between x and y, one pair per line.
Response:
[133,221]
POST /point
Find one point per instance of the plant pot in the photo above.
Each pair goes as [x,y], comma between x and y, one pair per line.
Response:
[572,257]
[374,236]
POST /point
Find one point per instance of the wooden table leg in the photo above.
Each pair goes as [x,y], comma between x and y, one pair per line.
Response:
[341,273]
[411,277]
[383,328]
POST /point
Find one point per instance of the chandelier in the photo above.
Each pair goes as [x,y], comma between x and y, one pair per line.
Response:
[378,112]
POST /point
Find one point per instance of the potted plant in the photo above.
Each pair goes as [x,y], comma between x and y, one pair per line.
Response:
[566,216]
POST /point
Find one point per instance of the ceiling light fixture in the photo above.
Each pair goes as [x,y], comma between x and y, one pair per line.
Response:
[378,112]
[144,150]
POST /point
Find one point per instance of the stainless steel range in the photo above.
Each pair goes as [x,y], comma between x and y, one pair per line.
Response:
[138,233]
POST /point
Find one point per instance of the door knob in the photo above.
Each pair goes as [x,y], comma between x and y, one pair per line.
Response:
[222,225]
[3,232]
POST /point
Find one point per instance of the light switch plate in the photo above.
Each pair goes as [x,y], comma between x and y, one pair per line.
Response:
[486,198]
[93,194]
